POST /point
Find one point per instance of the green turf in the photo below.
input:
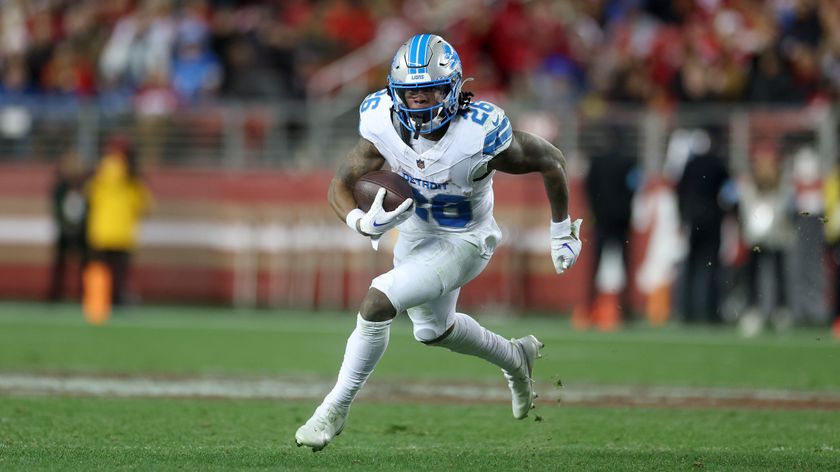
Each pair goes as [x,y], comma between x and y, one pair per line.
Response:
[129,434]
[66,433]
[40,338]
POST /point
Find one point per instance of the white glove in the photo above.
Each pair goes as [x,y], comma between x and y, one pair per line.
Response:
[565,244]
[376,221]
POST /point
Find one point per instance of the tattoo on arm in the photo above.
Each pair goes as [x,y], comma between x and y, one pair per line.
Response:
[363,158]
[530,153]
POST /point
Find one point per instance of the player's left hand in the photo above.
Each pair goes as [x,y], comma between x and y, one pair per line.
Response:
[565,244]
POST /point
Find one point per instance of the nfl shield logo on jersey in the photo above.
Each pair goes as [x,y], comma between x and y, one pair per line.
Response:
[421,164]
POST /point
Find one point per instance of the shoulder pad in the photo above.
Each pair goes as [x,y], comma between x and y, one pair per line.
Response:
[498,132]
[375,115]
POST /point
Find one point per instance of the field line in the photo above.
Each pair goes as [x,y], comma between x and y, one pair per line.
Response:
[423,392]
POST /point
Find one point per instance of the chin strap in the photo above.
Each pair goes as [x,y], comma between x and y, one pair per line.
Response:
[418,122]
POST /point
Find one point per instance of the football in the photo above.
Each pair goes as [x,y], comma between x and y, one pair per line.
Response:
[366,187]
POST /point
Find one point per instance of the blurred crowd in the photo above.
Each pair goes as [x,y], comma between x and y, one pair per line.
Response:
[164,53]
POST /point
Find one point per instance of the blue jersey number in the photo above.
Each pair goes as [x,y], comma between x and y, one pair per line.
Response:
[481,117]
[453,211]
[372,101]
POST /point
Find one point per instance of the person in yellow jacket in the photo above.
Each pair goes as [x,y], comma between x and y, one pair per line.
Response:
[831,190]
[118,199]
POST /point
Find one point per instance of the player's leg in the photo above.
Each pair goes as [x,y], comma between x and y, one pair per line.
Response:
[426,284]
[369,340]
[436,323]
[461,333]
[364,348]
[751,321]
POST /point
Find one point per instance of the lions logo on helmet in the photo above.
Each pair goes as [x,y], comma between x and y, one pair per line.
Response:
[426,61]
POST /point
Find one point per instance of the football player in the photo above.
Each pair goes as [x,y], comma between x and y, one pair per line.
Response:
[448,147]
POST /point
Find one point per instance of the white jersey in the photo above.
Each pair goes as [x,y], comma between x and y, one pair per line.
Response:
[453,190]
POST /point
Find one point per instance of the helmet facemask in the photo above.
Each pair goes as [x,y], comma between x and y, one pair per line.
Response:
[441,105]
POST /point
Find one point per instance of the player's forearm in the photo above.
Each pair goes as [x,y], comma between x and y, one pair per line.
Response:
[551,164]
[341,198]
[531,153]
[557,190]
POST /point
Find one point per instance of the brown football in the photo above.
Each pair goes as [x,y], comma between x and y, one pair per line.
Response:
[397,189]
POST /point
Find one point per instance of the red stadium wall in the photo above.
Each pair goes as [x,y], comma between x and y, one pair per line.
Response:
[278,244]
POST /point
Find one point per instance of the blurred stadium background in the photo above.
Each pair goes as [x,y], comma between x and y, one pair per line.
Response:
[238,112]
[701,137]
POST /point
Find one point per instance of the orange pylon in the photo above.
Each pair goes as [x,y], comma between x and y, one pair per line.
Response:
[96,301]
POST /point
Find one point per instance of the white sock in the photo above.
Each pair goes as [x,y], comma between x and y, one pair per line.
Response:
[469,337]
[365,347]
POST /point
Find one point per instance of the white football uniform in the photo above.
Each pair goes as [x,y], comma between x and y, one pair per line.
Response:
[452,235]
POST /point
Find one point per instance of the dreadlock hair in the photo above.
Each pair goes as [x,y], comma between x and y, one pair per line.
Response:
[464,100]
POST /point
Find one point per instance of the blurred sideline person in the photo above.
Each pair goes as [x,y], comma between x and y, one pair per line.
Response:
[448,148]
[703,200]
[766,206]
[611,183]
[118,200]
[69,211]
[808,278]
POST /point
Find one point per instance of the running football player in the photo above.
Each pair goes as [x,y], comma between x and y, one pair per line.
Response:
[447,147]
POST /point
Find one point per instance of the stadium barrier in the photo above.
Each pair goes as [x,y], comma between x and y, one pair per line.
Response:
[241,215]
[257,238]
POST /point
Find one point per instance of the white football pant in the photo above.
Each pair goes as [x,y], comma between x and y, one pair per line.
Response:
[427,276]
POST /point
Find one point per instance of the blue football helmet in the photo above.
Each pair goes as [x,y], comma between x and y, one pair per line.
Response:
[426,61]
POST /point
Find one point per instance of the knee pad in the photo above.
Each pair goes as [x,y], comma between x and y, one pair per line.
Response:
[426,335]
[428,327]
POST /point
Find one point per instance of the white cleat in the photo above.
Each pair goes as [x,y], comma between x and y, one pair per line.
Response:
[520,383]
[325,424]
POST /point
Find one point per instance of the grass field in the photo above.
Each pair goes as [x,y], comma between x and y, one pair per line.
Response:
[398,428]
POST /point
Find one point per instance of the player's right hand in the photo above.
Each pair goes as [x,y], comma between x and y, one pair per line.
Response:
[377,221]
